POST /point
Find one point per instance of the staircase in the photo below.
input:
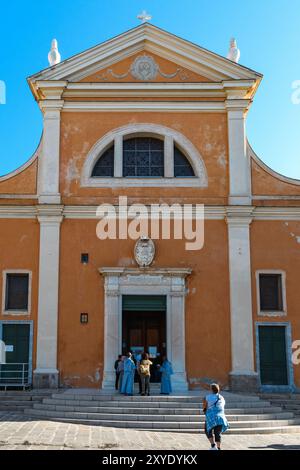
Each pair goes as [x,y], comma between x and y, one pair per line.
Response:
[246,414]
[18,401]
[289,402]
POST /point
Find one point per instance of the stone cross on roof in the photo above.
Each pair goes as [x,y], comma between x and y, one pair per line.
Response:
[144,16]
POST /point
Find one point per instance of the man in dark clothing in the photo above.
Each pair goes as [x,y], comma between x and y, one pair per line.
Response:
[117,371]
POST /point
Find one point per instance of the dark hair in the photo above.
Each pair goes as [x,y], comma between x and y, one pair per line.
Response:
[119,356]
[145,356]
[215,388]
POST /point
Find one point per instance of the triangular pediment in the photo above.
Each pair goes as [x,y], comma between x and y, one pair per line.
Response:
[143,67]
[171,54]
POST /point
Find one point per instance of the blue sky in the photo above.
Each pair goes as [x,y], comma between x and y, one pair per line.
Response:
[268,34]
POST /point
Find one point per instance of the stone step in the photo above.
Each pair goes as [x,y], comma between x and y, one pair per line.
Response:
[18,403]
[14,408]
[161,398]
[285,400]
[105,415]
[279,396]
[245,431]
[237,431]
[16,398]
[153,403]
[167,425]
[167,411]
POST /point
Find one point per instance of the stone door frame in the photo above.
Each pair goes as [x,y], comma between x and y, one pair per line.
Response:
[170,282]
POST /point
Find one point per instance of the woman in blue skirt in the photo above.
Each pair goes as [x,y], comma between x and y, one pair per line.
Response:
[166,372]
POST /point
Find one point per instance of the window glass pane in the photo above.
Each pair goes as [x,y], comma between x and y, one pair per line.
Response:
[270,286]
[157,170]
[143,157]
[157,158]
[105,165]
[182,167]
[17,292]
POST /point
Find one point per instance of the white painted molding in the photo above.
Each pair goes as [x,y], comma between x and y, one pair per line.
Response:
[145,106]
[190,151]
[16,313]
[276,313]
[160,89]
[18,196]
[152,39]
[177,272]
[89,212]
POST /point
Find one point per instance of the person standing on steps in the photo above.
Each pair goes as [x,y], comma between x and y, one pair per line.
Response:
[138,358]
[166,370]
[128,377]
[121,372]
[215,419]
[117,371]
[144,371]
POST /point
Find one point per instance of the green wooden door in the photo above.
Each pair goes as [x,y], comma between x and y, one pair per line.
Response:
[272,355]
[16,338]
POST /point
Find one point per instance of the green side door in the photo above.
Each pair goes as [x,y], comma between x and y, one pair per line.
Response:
[17,340]
[273,355]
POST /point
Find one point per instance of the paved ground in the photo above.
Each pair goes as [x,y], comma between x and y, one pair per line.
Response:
[18,432]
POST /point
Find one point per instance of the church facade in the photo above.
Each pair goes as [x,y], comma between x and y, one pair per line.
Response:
[153,119]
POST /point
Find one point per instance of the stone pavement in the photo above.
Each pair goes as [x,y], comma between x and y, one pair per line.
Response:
[17,432]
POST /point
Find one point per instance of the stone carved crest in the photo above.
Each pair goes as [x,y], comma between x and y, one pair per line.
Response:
[144,68]
[144,252]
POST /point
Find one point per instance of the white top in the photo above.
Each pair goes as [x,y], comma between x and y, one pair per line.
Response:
[212,398]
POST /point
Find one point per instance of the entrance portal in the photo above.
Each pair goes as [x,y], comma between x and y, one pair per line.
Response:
[144,328]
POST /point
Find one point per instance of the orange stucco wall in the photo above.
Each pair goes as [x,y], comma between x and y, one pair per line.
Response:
[22,183]
[81,290]
[80,131]
[265,184]
[19,248]
[274,245]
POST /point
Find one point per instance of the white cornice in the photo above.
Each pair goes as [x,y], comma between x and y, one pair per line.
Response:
[160,89]
[17,212]
[171,272]
[153,39]
[211,212]
[277,213]
[18,196]
[145,106]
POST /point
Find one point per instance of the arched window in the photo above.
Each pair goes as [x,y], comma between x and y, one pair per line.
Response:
[182,167]
[143,157]
[105,164]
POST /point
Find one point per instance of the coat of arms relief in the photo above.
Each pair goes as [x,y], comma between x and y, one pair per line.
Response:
[144,252]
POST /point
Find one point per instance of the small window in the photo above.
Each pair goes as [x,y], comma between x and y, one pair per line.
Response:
[17,289]
[182,167]
[143,157]
[105,165]
[270,290]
